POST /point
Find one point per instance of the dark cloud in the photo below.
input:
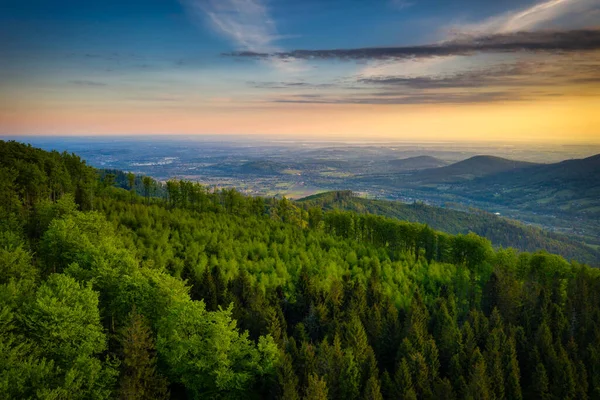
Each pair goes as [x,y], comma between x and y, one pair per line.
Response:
[389,98]
[468,79]
[87,83]
[542,41]
[565,72]
[290,85]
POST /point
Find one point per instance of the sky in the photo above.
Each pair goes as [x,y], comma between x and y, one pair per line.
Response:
[511,70]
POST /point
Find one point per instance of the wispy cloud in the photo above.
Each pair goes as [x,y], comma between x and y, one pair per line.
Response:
[290,85]
[535,17]
[556,76]
[556,73]
[87,83]
[387,98]
[559,14]
[247,23]
[401,4]
[545,41]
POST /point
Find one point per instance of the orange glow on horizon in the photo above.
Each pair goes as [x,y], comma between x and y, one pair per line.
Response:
[570,120]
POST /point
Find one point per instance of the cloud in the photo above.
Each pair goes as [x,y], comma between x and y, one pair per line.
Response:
[401,4]
[558,72]
[545,41]
[290,85]
[563,14]
[246,23]
[535,16]
[529,79]
[87,83]
[466,97]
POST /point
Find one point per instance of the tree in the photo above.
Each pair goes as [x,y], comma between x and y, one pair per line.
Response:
[205,352]
[64,320]
[64,324]
[372,389]
[109,180]
[139,378]
[131,181]
[316,389]
[315,216]
[350,377]
[288,381]
[540,383]
[479,387]
[148,185]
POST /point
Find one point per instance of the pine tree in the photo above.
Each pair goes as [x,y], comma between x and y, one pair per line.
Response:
[350,377]
[403,383]
[540,384]
[443,390]
[316,388]
[512,371]
[372,389]
[139,378]
[356,338]
[288,381]
[479,387]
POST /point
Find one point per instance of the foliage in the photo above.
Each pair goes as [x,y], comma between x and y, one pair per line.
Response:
[108,293]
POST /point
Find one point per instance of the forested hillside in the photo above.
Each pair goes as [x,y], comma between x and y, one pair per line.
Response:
[570,187]
[470,168]
[500,231]
[210,294]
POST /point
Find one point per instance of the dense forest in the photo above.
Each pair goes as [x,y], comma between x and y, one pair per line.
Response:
[500,231]
[178,291]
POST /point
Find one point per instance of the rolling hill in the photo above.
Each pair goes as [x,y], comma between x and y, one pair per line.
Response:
[571,187]
[469,169]
[502,232]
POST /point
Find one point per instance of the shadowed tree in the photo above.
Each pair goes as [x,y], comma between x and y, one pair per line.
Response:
[139,378]
[316,389]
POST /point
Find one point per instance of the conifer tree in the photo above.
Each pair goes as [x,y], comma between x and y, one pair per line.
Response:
[316,389]
[139,378]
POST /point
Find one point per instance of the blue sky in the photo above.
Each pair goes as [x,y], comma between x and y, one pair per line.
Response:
[76,63]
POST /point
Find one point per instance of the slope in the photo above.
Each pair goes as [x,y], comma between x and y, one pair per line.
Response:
[470,168]
[500,231]
[227,298]
[571,186]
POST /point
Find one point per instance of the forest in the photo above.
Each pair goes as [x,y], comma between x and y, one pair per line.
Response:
[181,291]
[502,232]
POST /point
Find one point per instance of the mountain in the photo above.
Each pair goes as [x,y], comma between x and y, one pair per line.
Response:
[416,163]
[571,186]
[575,174]
[470,168]
[502,232]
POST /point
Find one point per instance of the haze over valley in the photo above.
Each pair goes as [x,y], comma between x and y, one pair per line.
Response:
[515,180]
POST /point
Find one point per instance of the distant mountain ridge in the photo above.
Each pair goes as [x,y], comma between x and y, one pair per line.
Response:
[471,168]
[571,186]
[567,172]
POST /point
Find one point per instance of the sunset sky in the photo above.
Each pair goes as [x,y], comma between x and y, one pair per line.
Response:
[514,70]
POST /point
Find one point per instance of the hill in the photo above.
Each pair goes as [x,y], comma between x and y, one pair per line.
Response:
[571,186]
[211,294]
[470,168]
[262,168]
[416,163]
[500,231]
